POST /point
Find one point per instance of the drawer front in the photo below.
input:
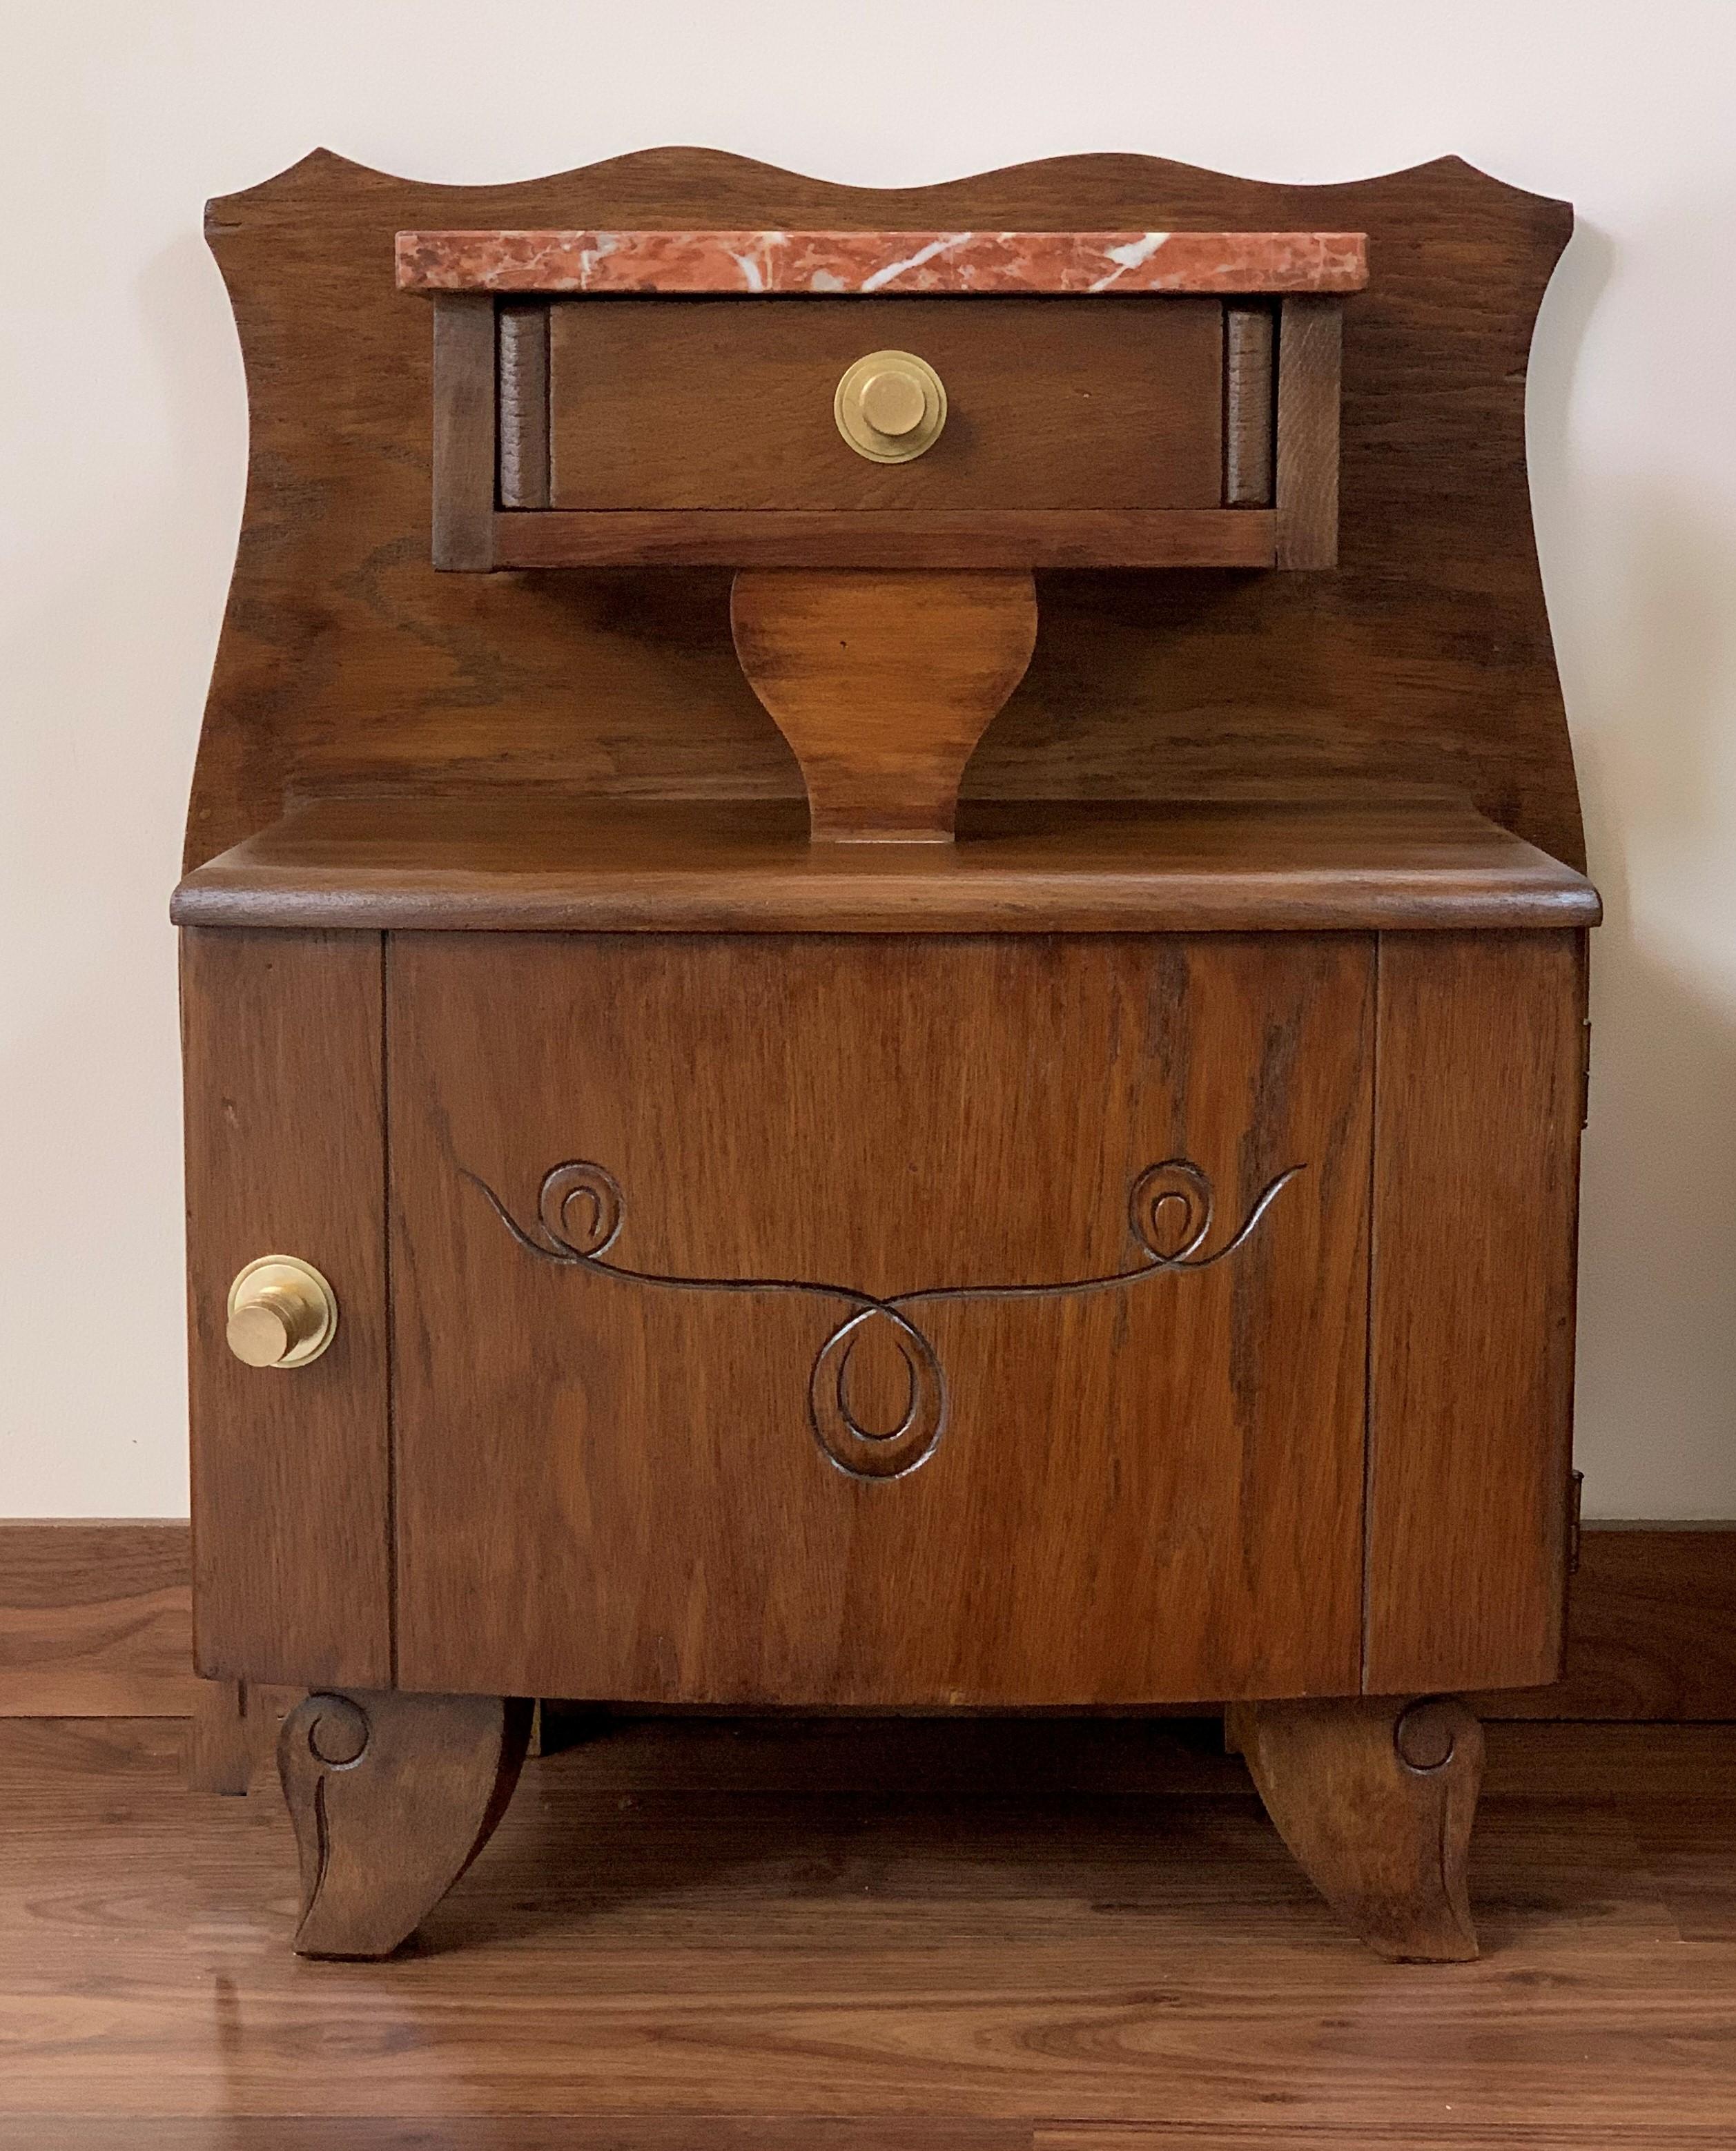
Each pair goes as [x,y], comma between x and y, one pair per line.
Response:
[840,1321]
[726,404]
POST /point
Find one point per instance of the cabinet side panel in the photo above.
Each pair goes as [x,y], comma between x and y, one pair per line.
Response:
[1475,1197]
[292,1540]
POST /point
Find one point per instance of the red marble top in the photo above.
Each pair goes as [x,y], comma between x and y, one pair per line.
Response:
[932,263]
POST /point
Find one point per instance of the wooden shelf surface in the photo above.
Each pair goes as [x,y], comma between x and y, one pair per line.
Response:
[504,861]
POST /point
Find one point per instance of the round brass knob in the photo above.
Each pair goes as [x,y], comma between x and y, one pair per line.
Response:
[890,405]
[281,1312]
[893,403]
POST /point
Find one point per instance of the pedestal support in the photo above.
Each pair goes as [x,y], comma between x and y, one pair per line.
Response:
[882,685]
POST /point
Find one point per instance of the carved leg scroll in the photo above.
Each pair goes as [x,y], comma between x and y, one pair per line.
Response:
[392,1796]
[1375,1797]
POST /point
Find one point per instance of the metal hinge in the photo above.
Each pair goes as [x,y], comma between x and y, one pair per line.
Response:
[1576,1489]
[1585,1073]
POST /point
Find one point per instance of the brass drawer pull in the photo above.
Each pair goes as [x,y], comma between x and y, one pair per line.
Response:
[281,1312]
[890,405]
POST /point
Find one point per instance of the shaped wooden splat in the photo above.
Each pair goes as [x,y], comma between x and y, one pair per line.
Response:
[882,685]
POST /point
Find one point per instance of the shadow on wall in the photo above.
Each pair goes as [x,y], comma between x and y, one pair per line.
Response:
[114,606]
[1654,717]
[1656,1411]
[1639,580]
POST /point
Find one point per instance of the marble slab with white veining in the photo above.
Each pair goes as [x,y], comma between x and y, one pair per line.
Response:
[972,263]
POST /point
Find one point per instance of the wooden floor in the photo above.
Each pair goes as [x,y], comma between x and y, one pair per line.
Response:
[875,1937]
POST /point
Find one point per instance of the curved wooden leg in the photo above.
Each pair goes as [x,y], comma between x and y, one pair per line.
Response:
[392,1796]
[1375,1797]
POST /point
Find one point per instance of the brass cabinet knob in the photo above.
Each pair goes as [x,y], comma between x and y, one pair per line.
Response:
[281,1312]
[890,405]
[893,402]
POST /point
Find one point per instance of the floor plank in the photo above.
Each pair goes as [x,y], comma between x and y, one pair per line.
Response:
[937,1937]
[345,2131]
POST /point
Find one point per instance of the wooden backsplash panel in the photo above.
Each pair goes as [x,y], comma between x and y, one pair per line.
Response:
[347,662]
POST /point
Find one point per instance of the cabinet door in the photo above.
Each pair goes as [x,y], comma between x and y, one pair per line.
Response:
[292,1475]
[877,1320]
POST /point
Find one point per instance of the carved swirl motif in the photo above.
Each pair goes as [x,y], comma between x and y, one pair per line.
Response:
[1169,1207]
[580,1209]
[336,1729]
[857,1449]
[560,1205]
[1426,1733]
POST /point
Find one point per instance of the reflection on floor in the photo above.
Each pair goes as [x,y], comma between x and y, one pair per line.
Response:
[871,1935]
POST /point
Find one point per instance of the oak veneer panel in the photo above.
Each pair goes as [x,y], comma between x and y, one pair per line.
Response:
[1476,1201]
[506,860]
[1310,338]
[463,475]
[1424,659]
[714,404]
[292,1540]
[882,685]
[609,1488]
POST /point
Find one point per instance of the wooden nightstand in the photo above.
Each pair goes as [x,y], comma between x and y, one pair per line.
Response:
[863,1218]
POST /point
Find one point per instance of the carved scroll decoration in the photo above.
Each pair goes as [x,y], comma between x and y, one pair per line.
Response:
[580,1210]
[393,1795]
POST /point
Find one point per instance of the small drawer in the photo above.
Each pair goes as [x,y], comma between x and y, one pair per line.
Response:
[1051,403]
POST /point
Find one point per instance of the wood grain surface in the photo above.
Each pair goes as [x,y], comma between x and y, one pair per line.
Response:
[1102,1497]
[1470,1338]
[282,1042]
[919,538]
[519,862]
[391,1797]
[882,685]
[1651,1627]
[705,404]
[1310,336]
[879,1937]
[1424,659]
[1375,1798]
[94,1619]
[463,472]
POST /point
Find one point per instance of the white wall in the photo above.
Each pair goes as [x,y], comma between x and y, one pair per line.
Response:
[123,424]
